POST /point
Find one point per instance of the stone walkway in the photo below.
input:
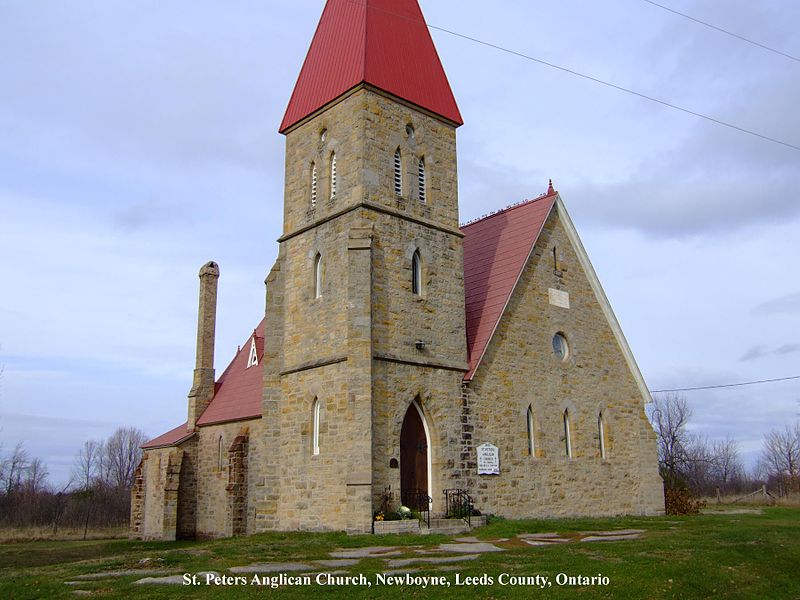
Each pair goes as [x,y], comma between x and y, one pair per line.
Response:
[445,557]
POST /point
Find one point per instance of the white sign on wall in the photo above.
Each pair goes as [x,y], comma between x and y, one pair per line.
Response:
[558,298]
[488,460]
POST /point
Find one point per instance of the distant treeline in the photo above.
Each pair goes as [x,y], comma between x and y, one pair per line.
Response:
[97,495]
[701,466]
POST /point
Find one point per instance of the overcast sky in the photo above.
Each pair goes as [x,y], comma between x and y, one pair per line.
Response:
[138,140]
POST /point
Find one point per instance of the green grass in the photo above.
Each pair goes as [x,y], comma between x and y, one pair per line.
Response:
[706,556]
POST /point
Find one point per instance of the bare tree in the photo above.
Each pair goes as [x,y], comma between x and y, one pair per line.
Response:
[780,456]
[13,468]
[35,481]
[669,414]
[727,466]
[698,464]
[86,467]
[121,455]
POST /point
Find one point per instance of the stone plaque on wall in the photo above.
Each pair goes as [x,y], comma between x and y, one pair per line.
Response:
[488,460]
[559,298]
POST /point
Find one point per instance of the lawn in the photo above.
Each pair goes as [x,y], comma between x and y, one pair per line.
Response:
[708,556]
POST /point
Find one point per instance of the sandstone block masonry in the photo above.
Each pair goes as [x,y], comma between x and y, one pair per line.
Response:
[521,372]
[365,323]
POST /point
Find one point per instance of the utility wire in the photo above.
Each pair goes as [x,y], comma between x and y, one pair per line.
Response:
[618,87]
[721,30]
[726,385]
[585,76]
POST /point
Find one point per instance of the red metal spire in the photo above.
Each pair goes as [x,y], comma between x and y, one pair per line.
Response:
[384,43]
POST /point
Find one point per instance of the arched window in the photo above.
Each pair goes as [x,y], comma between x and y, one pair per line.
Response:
[315,427]
[531,441]
[220,453]
[333,175]
[416,273]
[421,179]
[398,173]
[601,432]
[318,275]
[567,434]
[313,184]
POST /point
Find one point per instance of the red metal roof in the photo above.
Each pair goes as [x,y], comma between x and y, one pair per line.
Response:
[496,249]
[171,438]
[239,390]
[385,43]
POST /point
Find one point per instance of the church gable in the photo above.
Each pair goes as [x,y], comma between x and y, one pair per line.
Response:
[500,249]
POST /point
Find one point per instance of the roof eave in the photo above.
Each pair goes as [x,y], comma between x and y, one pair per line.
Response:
[170,445]
[287,128]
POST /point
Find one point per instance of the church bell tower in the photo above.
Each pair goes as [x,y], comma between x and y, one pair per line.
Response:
[365,307]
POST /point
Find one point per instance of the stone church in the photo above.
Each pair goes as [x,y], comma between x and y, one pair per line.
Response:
[398,347]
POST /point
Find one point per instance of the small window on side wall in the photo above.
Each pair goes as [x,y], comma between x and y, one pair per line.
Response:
[315,428]
[416,274]
[531,434]
[220,454]
[601,432]
[567,434]
[318,276]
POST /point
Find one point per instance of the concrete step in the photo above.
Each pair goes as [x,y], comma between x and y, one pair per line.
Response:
[453,526]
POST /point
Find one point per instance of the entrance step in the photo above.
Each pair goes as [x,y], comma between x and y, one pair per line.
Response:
[453,526]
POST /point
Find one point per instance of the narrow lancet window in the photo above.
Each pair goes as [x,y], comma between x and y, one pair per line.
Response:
[531,441]
[601,431]
[318,276]
[315,427]
[421,180]
[398,173]
[313,184]
[333,175]
[567,434]
[416,274]
[220,453]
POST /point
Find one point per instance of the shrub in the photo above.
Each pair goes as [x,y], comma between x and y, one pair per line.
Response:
[680,502]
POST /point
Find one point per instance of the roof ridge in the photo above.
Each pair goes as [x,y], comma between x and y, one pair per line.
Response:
[508,208]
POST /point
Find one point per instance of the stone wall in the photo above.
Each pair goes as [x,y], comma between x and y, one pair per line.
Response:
[187,491]
[216,446]
[520,370]
[237,487]
[157,516]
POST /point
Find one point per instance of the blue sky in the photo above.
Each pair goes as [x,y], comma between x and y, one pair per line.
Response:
[139,140]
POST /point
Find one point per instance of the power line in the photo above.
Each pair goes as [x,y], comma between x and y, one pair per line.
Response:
[726,385]
[588,77]
[618,87]
[721,30]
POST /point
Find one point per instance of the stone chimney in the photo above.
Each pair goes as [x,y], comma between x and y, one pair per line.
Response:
[203,384]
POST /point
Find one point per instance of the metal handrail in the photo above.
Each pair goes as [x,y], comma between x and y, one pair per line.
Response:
[459,504]
[420,501]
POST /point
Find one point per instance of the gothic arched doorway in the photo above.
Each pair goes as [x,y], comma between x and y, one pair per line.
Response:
[414,459]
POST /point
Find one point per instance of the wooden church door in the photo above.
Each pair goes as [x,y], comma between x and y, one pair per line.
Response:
[413,459]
